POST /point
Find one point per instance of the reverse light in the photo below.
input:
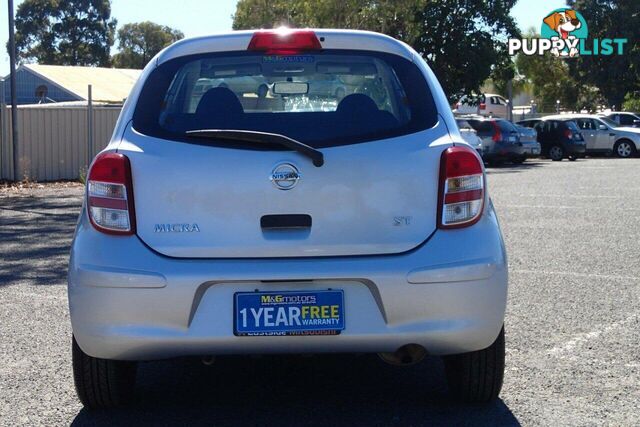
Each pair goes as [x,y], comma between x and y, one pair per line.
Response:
[110,195]
[461,191]
[284,41]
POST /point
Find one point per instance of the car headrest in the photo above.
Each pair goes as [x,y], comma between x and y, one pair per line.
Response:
[219,101]
[357,103]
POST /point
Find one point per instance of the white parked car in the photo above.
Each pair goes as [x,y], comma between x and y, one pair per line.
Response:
[470,135]
[349,225]
[603,135]
[488,104]
[623,118]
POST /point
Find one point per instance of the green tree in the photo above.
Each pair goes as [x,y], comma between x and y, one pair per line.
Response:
[141,41]
[551,81]
[65,32]
[614,75]
[456,37]
[632,102]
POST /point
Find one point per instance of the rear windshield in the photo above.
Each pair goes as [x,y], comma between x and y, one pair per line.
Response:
[573,126]
[323,99]
[506,126]
[487,126]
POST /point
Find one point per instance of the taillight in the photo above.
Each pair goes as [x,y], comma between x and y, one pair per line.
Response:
[483,106]
[284,41]
[497,133]
[568,134]
[461,194]
[110,194]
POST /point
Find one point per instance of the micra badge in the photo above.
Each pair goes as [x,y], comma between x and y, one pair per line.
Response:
[176,228]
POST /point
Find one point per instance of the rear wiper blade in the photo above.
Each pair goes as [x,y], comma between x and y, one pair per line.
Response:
[260,138]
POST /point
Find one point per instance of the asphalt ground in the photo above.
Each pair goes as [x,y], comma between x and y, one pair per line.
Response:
[573,327]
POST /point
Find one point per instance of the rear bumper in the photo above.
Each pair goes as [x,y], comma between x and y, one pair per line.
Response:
[127,302]
[506,152]
[532,149]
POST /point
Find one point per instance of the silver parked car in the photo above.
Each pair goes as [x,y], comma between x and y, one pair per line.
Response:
[357,225]
[529,141]
[605,136]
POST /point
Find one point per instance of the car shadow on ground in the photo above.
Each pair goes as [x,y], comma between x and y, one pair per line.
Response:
[506,167]
[331,390]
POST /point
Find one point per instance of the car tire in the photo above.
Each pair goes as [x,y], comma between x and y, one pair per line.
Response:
[556,153]
[476,377]
[572,158]
[262,91]
[624,149]
[102,383]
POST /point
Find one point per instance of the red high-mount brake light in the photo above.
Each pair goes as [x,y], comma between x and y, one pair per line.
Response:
[284,41]
[110,195]
[461,188]
[497,134]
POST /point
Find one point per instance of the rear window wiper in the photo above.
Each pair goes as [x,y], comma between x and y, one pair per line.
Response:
[260,138]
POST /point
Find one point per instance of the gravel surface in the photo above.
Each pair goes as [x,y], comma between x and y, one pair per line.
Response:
[573,326]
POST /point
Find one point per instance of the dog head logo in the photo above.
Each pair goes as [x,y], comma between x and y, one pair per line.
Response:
[565,24]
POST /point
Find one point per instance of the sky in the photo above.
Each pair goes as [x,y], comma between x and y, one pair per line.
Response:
[200,17]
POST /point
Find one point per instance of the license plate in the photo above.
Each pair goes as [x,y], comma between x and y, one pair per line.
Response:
[289,313]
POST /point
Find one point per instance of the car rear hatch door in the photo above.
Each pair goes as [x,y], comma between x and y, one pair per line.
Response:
[203,196]
[199,201]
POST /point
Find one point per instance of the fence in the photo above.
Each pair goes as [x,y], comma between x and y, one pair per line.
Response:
[54,140]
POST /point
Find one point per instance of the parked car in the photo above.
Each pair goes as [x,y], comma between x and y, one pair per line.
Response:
[560,138]
[500,140]
[357,228]
[623,118]
[330,86]
[470,135]
[529,140]
[606,136]
[489,104]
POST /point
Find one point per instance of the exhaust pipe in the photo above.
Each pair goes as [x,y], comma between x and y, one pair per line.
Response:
[406,355]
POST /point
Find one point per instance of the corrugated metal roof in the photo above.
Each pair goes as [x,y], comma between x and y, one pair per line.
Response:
[108,84]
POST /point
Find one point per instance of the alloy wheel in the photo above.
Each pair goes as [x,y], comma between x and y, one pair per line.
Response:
[624,149]
[555,153]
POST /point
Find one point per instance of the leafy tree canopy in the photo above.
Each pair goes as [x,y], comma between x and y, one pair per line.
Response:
[139,42]
[456,37]
[613,75]
[65,32]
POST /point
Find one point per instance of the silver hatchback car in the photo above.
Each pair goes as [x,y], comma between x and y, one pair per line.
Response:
[229,223]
